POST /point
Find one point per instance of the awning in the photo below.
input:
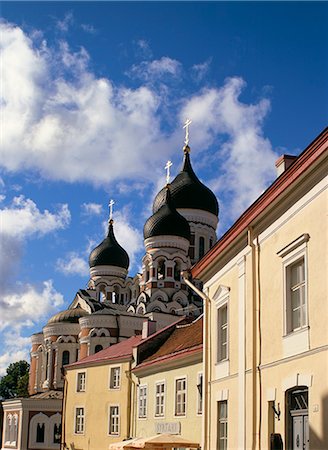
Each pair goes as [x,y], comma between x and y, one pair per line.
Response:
[157,442]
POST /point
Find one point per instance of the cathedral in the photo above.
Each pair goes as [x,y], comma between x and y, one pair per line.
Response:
[114,306]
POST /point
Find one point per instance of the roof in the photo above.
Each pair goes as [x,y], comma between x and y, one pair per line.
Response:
[68,315]
[121,350]
[48,395]
[166,221]
[297,169]
[183,339]
[109,252]
[188,191]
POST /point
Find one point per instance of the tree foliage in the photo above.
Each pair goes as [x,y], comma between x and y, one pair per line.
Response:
[15,382]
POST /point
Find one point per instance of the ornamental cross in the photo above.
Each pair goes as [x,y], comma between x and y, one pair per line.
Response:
[110,204]
[167,167]
[186,126]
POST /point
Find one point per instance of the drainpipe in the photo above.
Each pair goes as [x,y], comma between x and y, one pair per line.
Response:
[256,341]
[206,360]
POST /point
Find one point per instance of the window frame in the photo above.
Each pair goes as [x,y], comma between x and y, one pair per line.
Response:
[144,399]
[219,358]
[176,393]
[200,396]
[224,421]
[75,420]
[116,417]
[291,254]
[161,395]
[112,385]
[78,388]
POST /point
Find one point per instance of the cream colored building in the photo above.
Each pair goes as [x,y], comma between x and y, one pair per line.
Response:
[266,291]
[97,393]
[169,383]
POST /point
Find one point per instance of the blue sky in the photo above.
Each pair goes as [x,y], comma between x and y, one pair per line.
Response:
[94,96]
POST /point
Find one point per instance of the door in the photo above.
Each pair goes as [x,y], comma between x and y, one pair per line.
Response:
[301,432]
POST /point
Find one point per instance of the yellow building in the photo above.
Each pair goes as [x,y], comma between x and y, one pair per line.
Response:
[266,290]
[97,393]
[169,379]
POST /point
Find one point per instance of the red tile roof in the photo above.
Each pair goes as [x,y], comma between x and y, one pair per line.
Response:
[121,350]
[183,339]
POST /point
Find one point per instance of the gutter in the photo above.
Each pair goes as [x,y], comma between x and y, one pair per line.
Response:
[206,361]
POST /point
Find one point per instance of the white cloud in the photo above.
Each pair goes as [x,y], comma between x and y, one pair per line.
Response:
[144,48]
[23,218]
[63,25]
[55,109]
[247,158]
[199,71]
[88,28]
[73,264]
[91,209]
[21,310]
[150,70]
[27,305]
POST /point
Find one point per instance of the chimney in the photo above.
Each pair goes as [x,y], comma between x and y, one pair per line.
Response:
[283,163]
[148,328]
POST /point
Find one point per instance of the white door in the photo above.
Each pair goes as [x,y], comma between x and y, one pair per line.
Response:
[301,432]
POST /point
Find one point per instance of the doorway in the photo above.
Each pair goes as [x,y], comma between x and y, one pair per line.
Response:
[297,419]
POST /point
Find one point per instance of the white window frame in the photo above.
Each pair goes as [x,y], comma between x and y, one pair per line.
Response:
[142,401]
[178,393]
[291,254]
[81,387]
[220,326]
[113,385]
[116,417]
[222,420]
[75,420]
[160,399]
[200,397]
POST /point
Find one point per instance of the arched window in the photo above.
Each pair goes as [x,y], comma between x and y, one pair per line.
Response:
[211,242]
[147,273]
[40,432]
[65,357]
[161,269]
[56,433]
[201,247]
[177,271]
[98,347]
[8,427]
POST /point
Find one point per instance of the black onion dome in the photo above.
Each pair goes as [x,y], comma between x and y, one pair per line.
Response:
[69,316]
[167,221]
[109,252]
[188,192]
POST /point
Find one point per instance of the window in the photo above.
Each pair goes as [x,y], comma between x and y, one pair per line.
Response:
[295,296]
[200,394]
[177,271]
[65,357]
[192,247]
[161,270]
[180,396]
[114,419]
[98,348]
[223,333]
[159,399]
[40,432]
[142,401]
[80,382]
[201,246]
[79,420]
[115,378]
[222,433]
[56,433]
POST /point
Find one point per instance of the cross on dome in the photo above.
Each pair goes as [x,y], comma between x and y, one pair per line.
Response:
[167,167]
[186,127]
[111,204]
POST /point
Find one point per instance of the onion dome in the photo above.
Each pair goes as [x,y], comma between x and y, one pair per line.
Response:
[109,252]
[187,191]
[166,221]
[69,315]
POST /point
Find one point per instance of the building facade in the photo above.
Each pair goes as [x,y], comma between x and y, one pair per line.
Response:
[265,288]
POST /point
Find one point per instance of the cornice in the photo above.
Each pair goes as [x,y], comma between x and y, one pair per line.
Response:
[199,216]
[168,242]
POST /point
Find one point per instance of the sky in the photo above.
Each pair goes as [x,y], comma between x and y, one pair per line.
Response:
[93,100]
